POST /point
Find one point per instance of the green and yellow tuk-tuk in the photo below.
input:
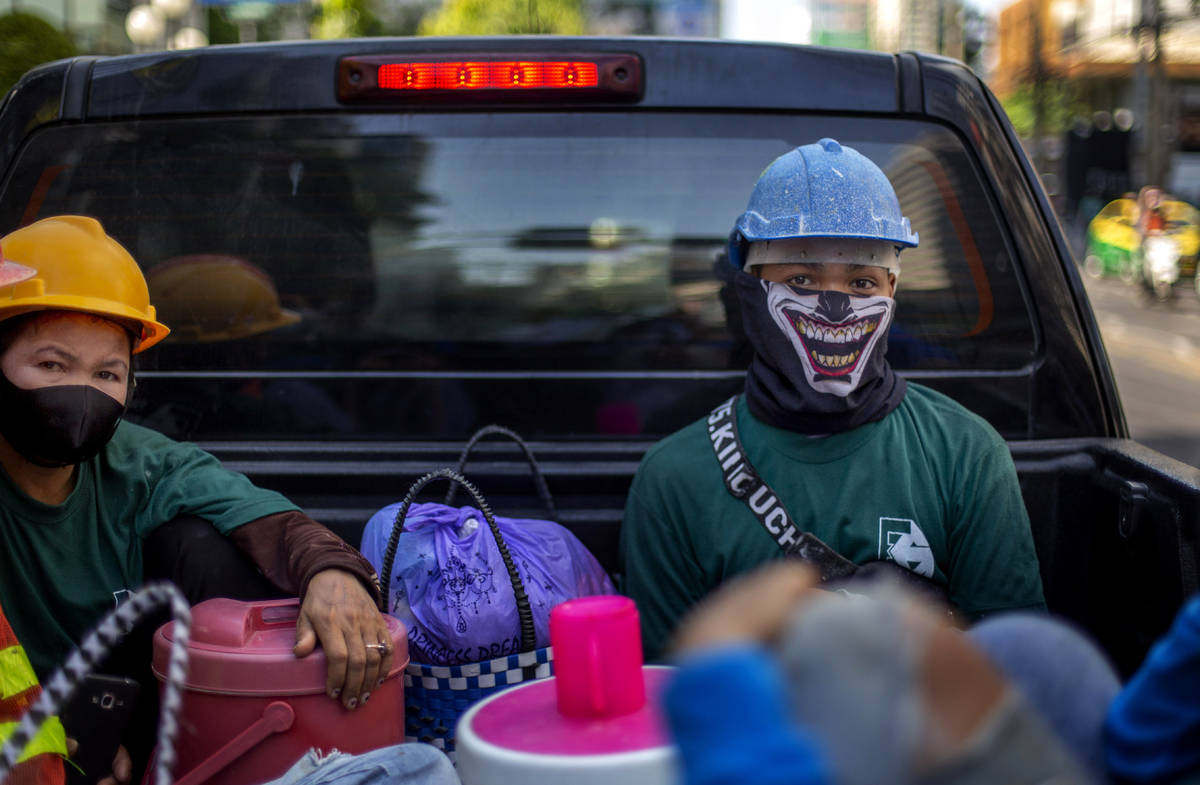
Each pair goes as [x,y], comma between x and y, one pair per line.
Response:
[1114,242]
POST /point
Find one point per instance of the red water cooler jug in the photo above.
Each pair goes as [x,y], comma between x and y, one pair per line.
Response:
[251,708]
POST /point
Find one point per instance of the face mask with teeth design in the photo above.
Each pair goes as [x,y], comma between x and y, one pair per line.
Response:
[834,334]
[819,362]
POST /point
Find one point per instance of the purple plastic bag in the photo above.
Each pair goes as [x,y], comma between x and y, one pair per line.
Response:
[451,589]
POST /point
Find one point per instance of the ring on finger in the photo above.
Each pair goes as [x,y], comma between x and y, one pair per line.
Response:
[382,648]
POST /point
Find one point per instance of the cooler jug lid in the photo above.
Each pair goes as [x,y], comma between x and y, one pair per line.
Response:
[245,648]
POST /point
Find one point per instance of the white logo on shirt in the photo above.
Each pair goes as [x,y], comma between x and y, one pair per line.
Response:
[904,543]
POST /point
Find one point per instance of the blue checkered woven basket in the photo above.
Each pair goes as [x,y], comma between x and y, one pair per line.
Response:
[435,696]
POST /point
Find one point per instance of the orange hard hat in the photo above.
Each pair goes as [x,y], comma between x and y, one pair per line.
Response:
[79,268]
[215,297]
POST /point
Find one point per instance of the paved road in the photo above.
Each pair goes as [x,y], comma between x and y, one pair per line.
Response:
[1155,353]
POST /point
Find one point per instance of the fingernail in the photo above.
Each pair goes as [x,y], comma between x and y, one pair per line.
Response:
[366,695]
[334,693]
[351,703]
[379,683]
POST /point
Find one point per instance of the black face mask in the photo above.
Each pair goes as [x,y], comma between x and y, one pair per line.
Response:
[57,426]
[818,365]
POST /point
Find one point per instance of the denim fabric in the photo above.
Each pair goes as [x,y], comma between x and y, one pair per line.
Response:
[403,764]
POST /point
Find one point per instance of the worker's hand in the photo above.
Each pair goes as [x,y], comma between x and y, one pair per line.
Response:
[122,769]
[339,612]
[122,766]
[752,607]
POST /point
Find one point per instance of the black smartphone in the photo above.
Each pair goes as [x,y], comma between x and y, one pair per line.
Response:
[95,717]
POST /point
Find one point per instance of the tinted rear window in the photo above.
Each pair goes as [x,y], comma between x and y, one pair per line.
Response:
[401,276]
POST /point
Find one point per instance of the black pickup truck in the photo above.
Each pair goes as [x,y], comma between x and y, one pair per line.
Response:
[368,249]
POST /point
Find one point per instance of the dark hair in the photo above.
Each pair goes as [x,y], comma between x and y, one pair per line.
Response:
[9,329]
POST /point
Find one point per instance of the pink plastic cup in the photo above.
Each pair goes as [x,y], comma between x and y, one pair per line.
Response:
[597,657]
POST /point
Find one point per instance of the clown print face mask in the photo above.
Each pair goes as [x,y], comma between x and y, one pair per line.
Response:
[819,363]
[836,335]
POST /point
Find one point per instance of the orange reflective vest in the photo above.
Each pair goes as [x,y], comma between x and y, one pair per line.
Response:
[41,762]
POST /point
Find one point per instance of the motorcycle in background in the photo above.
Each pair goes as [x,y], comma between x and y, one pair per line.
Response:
[1160,265]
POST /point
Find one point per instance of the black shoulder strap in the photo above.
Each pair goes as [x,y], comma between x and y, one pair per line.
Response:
[744,484]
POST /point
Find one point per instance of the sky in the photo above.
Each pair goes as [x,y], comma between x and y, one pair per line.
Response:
[789,21]
[786,21]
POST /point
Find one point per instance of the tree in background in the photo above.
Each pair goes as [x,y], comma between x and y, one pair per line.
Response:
[27,40]
[220,29]
[505,17]
[1059,104]
[345,19]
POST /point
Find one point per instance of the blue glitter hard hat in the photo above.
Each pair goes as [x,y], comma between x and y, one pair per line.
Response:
[821,190]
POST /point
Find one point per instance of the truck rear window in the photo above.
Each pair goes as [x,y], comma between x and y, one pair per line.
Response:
[438,271]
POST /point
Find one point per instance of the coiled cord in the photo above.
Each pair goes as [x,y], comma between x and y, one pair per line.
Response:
[111,630]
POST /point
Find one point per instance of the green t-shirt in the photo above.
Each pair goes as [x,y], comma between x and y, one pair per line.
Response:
[62,567]
[931,486]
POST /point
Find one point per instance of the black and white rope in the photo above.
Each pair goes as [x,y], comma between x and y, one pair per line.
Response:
[539,479]
[111,630]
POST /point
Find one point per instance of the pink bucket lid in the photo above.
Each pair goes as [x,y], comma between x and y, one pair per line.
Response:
[245,648]
[526,719]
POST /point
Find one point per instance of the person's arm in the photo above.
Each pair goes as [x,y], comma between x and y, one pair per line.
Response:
[1152,733]
[993,562]
[339,598]
[293,551]
[290,548]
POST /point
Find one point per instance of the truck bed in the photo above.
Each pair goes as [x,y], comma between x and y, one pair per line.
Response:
[1113,522]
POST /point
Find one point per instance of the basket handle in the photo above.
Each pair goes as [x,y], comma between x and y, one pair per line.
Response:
[539,480]
[524,612]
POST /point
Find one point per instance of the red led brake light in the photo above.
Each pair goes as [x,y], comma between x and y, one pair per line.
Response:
[502,75]
[570,74]
[524,78]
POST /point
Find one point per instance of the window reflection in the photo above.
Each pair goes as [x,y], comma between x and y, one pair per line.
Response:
[455,261]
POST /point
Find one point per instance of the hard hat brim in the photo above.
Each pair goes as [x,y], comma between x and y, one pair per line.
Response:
[151,331]
[197,334]
[907,243]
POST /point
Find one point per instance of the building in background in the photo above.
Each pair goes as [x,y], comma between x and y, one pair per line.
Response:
[919,25]
[1126,72]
